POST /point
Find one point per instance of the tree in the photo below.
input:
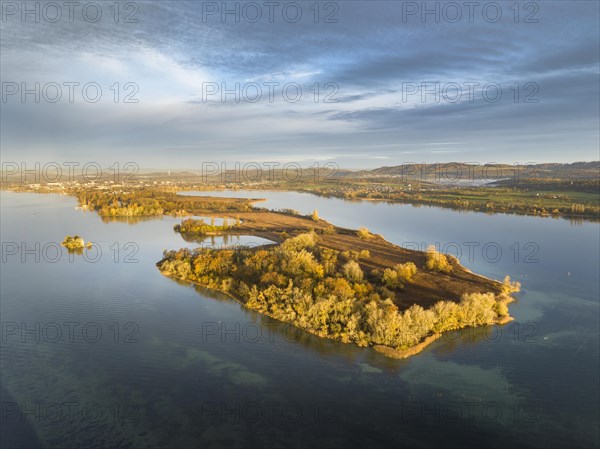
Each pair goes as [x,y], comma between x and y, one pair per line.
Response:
[352,271]
[437,261]
[398,276]
[446,316]
[510,287]
[390,278]
[364,233]
[328,259]
[315,215]
[501,309]
[406,271]
[302,241]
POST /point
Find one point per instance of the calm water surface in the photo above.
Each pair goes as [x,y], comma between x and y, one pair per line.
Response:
[101,350]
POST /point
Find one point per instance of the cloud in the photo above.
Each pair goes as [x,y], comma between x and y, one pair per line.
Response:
[367,54]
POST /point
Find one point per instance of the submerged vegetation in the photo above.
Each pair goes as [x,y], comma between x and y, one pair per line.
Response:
[329,294]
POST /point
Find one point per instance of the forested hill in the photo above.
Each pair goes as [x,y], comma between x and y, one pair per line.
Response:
[458,170]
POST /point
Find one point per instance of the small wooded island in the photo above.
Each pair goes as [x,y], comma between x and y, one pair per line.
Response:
[75,243]
[342,284]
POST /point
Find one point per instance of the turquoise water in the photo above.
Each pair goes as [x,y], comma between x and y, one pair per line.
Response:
[101,350]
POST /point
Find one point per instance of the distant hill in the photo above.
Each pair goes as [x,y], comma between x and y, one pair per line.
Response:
[459,170]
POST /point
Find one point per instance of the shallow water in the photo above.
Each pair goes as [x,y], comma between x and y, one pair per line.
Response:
[102,350]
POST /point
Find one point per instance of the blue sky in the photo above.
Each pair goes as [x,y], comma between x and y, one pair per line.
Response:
[374,59]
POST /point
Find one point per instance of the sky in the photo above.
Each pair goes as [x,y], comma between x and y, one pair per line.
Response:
[362,84]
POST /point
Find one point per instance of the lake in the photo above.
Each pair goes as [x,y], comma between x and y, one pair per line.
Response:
[101,350]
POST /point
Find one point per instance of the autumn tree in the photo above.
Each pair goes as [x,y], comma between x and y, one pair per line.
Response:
[352,271]
[437,261]
[364,233]
[398,276]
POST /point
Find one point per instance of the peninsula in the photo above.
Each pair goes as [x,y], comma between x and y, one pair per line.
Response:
[344,284]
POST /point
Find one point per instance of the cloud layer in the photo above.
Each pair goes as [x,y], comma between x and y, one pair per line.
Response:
[379,81]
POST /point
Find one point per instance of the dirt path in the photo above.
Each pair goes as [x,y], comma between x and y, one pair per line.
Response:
[427,287]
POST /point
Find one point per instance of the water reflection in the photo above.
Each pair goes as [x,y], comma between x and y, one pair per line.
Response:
[274,332]
[225,241]
[129,220]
